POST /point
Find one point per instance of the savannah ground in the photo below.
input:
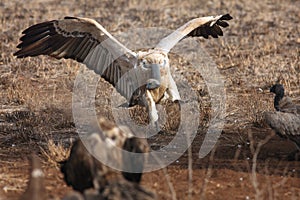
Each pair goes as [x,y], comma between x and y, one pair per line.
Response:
[260,47]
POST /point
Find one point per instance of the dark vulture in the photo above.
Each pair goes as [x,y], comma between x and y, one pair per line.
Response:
[35,189]
[78,169]
[142,77]
[82,170]
[286,120]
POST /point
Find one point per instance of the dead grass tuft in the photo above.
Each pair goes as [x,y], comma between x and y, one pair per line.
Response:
[55,153]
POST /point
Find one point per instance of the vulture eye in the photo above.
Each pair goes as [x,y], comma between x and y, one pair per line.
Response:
[113,137]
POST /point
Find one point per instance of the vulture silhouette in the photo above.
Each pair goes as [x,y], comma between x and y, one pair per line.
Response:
[142,77]
[285,121]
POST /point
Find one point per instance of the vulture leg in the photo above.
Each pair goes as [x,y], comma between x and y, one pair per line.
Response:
[153,116]
[172,91]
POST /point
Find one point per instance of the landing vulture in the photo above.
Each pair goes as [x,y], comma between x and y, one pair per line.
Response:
[82,170]
[142,77]
[286,120]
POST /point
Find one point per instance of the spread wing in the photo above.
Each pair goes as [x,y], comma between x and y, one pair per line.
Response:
[84,40]
[203,26]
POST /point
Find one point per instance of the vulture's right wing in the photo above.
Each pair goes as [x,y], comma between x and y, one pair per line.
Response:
[84,40]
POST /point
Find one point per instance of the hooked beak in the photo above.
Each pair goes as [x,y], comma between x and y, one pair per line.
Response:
[154,81]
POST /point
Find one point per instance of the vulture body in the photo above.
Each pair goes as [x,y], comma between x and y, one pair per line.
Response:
[286,120]
[142,77]
[78,168]
[82,170]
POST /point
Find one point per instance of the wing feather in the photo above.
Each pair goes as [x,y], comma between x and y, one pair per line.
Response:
[72,47]
[36,47]
[222,23]
[93,58]
[100,60]
[62,50]
[80,46]
[30,40]
[218,30]
[86,50]
[83,40]
[203,26]
[112,72]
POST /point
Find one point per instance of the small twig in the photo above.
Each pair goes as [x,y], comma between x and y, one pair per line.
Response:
[255,152]
[170,184]
[167,177]
[190,166]
[208,174]
[190,171]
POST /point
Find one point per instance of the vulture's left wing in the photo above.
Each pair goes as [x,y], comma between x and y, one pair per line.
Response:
[203,26]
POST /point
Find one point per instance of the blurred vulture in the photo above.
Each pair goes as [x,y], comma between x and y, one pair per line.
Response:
[142,77]
[286,120]
[83,170]
[35,189]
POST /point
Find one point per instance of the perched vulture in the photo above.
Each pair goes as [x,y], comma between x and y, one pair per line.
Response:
[142,77]
[35,189]
[82,170]
[286,120]
[78,168]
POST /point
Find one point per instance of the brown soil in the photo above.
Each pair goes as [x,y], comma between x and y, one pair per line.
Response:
[261,46]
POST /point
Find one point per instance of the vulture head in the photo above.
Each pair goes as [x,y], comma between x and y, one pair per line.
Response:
[278,90]
[158,63]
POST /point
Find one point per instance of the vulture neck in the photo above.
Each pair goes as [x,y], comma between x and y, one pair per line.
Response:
[277,99]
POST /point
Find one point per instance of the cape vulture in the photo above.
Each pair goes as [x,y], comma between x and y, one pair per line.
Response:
[286,120]
[142,77]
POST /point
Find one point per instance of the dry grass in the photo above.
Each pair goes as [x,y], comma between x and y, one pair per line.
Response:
[261,47]
[55,153]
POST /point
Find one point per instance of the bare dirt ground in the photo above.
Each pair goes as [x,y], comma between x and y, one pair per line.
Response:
[261,46]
